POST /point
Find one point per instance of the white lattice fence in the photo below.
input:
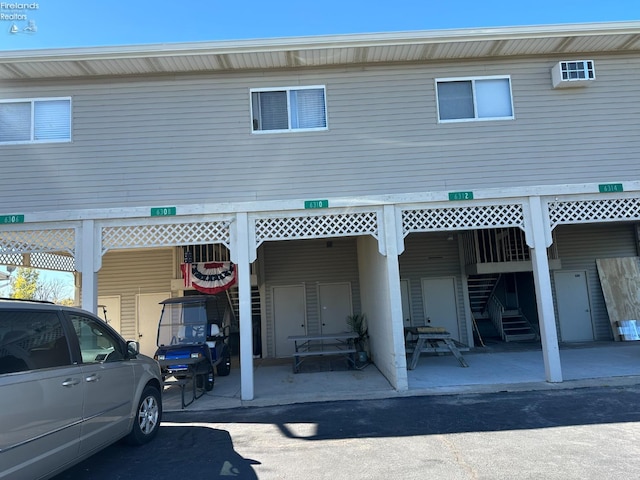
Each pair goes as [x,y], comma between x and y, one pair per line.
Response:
[37,241]
[52,261]
[165,235]
[456,218]
[589,211]
[316,226]
[39,248]
[47,261]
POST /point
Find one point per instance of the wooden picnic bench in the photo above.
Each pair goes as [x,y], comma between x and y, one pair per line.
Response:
[430,340]
[182,379]
[324,344]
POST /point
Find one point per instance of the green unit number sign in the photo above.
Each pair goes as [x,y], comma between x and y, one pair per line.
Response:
[455,196]
[163,211]
[5,219]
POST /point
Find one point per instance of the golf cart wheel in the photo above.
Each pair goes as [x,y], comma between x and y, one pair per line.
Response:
[224,367]
[209,380]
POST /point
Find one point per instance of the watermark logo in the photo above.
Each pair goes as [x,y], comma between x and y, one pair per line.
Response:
[19,16]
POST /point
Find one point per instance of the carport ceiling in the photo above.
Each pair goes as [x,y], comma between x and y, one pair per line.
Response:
[322,51]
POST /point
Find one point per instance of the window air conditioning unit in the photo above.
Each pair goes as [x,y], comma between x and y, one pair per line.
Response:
[577,73]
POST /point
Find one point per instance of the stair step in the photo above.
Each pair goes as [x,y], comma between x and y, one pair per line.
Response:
[515,323]
[480,287]
[515,338]
[518,331]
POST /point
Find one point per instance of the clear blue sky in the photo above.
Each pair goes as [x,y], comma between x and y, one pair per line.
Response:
[85,23]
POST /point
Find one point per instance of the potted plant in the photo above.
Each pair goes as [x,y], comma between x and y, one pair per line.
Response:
[358,324]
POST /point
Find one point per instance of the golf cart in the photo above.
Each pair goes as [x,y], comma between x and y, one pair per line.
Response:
[192,342]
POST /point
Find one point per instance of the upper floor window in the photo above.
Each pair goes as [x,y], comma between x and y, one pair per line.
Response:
[485,98]
[286,109]
[38,120]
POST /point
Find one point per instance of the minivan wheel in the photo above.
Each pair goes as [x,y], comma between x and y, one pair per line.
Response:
[148,416]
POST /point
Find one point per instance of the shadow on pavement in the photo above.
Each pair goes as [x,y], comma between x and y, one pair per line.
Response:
[418,416]
[186,451]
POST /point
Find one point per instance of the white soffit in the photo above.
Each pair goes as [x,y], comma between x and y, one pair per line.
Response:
[299,52]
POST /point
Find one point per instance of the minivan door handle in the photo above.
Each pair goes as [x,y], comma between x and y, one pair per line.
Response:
[92,378]
[70,382]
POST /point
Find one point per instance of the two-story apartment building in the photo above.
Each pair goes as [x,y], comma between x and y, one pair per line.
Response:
[450,178]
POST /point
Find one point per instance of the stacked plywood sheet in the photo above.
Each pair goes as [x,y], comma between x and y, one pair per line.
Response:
[620,281]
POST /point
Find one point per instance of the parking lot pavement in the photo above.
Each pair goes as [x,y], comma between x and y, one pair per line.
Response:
[584,433]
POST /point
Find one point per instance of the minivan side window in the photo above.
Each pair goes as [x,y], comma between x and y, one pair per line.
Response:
[31,340]
[97,343]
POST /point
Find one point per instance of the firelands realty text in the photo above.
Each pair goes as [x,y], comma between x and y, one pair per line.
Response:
[15,11]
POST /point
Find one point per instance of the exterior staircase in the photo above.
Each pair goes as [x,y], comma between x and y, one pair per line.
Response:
[480,289]
[492,318]
[234,301]
[516,327]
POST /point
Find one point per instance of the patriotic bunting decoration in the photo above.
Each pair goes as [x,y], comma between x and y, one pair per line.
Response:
[209,277]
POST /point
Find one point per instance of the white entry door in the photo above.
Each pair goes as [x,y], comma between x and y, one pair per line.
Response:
[148,311]
[289,317]
[440,306]
[109,310]
[574,312]
[335,306]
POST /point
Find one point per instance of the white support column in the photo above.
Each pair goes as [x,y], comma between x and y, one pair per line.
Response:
[243,258]
[465,293]
[395,298]
[540,240]
[88,266]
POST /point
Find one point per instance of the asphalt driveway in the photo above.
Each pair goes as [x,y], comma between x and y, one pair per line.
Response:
[585,433]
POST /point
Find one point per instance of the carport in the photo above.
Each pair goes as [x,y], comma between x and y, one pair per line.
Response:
[298,253]
[588,364]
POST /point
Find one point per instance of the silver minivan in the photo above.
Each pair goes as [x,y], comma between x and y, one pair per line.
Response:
[69,386]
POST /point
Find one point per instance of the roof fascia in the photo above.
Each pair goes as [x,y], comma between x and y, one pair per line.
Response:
[323,42]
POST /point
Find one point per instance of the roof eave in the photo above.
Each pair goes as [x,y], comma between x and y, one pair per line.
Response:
[358,40]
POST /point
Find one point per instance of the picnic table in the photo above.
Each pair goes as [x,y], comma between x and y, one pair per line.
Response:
[430,340]
[323,344]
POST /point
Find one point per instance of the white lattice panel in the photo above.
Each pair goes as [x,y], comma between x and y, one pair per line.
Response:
[317,226]
[165,235]
[12,259]
[456,218]
[37,241]
[51,261]
[589,211]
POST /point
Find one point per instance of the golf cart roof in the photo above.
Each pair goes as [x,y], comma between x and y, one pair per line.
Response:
[188,299]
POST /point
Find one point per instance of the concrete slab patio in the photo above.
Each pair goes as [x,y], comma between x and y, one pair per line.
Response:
[608,363]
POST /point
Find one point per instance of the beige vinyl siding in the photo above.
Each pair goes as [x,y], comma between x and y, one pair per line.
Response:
[431,255]
[310,262]
[132,272]
[187,139]
[580,245]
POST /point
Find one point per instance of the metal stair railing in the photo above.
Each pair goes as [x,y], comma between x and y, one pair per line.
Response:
[481,288]
[518,327]
[495,309]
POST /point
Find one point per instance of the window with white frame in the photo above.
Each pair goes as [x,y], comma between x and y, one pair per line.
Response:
[35,120]
[286,109]
[483,98]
